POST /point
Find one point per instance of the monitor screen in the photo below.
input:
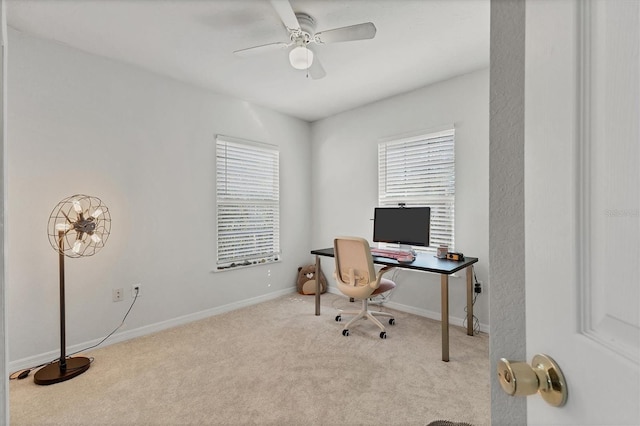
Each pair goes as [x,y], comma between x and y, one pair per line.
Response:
[402,225]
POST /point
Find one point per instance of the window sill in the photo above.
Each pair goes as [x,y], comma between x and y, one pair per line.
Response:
[247,264]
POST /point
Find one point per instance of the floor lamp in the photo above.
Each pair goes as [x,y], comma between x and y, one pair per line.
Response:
[78,227]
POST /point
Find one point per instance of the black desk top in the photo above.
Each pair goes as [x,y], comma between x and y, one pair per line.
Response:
[424,262]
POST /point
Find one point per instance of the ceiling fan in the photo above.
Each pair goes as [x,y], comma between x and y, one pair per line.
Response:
[301,29]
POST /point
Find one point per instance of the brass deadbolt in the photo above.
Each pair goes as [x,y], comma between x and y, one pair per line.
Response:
[543,376]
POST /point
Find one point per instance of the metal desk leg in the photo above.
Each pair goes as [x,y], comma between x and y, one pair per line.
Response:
[318,286]
[444,307]
[469,301]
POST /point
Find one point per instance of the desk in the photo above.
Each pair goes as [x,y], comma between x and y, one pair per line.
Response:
[425,263]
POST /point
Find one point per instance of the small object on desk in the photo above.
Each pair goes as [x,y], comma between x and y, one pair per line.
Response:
[392,254]
[441,251]
[406,259]
[455,256]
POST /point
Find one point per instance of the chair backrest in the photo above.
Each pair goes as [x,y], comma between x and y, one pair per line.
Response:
[354,264]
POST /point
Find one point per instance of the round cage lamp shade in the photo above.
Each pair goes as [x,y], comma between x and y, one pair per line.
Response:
[79,226]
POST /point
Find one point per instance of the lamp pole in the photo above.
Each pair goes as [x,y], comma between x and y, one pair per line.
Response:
[63,343]
[63,369]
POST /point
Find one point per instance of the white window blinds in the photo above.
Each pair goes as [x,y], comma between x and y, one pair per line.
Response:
[247,202]
[420,171]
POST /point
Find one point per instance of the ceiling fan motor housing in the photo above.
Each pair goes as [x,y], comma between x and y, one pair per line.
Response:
[307,27]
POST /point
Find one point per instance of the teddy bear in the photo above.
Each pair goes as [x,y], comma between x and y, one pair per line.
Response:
[306,283]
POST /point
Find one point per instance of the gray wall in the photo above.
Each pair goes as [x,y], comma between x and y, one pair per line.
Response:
[345,180]
[4,353]
[144,144]
[506,202]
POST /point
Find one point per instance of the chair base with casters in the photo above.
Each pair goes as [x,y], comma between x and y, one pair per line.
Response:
[365,313]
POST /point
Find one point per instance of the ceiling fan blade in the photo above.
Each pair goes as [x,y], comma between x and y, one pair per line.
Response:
[354,32]
[316,70]
[264,48]
[286,13]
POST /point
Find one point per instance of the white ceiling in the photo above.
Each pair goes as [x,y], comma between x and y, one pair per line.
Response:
[418,42]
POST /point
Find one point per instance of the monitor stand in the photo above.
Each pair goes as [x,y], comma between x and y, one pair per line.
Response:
[405,248]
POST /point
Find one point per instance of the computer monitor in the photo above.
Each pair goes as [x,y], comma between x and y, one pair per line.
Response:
[402,225]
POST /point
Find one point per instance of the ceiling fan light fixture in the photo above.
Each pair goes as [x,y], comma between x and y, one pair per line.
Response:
[301,57]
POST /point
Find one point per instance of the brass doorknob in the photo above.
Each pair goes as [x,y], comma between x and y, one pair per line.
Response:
[543,376]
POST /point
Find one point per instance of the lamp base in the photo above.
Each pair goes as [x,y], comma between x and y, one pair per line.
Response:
[51,373]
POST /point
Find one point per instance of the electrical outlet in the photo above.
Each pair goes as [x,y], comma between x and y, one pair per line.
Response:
[136,290]
[118,294]
[478,287]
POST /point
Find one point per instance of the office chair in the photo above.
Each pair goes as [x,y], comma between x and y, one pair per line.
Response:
[357,278]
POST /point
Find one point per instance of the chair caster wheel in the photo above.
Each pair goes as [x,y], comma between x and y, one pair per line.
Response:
[338,318]
[345,332]
[392,321]
[383,334]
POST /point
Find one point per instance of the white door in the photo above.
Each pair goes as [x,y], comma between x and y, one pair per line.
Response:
[582,205]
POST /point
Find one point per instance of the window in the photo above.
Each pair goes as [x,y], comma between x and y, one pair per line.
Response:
[247,203]
[420,171]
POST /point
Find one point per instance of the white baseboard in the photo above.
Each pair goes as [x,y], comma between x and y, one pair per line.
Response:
[147,329]
[163,325]
[420,312]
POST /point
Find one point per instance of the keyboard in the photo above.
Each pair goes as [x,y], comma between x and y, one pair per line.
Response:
[390,254]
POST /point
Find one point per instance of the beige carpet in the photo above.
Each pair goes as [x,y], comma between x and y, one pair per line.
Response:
[274,363]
